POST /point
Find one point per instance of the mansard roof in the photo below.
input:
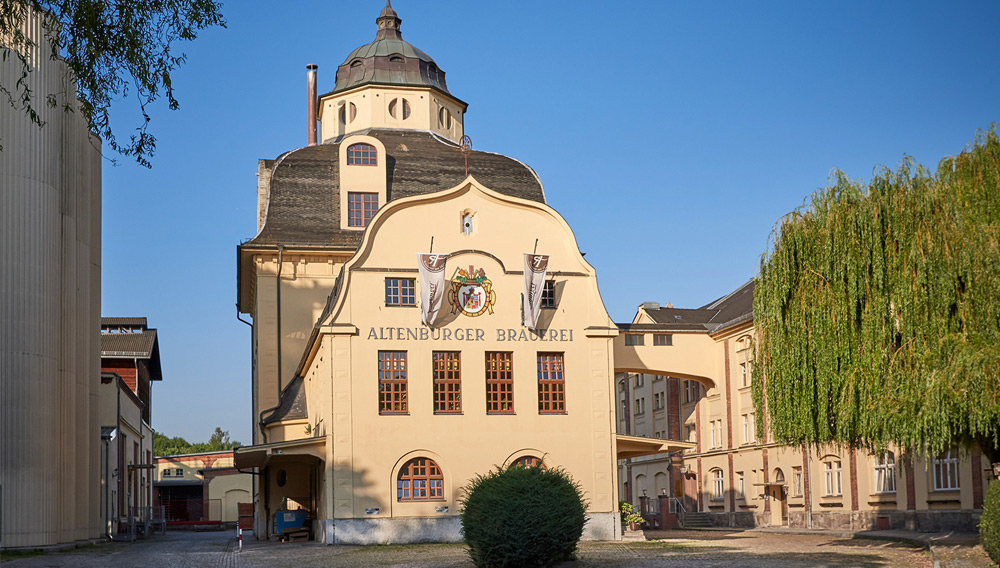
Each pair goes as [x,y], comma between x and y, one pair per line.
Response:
[304,205]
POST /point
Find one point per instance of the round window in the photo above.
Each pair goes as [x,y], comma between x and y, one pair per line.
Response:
[282,478]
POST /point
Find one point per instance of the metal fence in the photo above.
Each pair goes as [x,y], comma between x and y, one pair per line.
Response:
[146,521]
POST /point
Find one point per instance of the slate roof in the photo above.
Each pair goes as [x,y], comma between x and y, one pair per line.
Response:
[731,309]
[292,404]
[304,205]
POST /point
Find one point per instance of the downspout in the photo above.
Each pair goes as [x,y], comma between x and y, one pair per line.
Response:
[808,483]
[107,490]
[118,425]
[277,288]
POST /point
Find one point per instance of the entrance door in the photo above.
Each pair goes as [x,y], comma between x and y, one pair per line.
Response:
[779,504]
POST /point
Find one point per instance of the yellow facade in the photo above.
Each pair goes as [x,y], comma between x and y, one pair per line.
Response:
[738,479]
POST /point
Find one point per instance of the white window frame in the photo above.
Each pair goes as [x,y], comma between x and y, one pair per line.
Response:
[885,472]
[744,375]
[946,471]
[833,476]
[718,485]
[740,486]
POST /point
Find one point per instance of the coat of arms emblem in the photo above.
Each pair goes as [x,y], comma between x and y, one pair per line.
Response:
[471,292]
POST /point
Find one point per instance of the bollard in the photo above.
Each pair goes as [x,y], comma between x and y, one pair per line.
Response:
[239,536]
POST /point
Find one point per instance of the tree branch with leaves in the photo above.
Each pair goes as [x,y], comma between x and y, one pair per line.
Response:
[115,49]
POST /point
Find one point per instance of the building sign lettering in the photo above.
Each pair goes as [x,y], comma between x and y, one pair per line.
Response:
[468,334]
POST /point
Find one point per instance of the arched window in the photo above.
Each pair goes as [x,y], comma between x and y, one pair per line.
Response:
[529,461]
[420,479]
[718,484]
[362,154]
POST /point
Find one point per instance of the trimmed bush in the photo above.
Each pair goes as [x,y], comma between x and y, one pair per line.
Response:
[989,522]
[522,516]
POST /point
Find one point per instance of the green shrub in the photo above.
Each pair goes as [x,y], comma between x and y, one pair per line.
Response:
[989,522]
[522,516]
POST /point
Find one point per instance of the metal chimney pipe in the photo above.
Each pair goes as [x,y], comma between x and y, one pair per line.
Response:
[311,103]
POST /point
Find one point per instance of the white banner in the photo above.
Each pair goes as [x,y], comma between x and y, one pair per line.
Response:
[432,285]
[534,283]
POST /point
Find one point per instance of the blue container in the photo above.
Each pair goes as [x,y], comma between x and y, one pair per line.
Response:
[285,521]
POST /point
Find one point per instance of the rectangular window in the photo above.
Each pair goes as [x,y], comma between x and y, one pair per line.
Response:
[392,382]
[690,433]
[744,375]
[832,476]
[715,435]
[179,472]
[662,339]
[749,429]
[447,373]
[946,471]
[551,383]
[166,473]
[400,292]
[797,482]
[361,207]
[549,294]
[658,400]
[499,383]
[690,391]
[640,406]
[640,380]
[740,486]
[634,339]
[885,473]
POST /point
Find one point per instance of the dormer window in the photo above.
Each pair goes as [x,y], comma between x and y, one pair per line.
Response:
[396,59]
[362,155]
[356,63]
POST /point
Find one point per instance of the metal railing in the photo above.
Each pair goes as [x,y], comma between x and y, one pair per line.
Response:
[677,506]
[192,510]
[146,521]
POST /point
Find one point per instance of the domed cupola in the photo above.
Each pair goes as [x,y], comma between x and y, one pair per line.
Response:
[389,61]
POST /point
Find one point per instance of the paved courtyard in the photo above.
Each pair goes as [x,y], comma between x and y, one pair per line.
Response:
[674,548]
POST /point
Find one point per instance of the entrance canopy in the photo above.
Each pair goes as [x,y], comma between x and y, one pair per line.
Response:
[258,456]
[635,446]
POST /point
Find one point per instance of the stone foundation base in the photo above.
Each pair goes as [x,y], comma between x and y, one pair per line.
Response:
[409,530]
[920,521]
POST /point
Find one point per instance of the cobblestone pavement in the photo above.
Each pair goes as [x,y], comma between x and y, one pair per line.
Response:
[674,548]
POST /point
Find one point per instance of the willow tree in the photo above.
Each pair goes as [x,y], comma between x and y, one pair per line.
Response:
[878,310]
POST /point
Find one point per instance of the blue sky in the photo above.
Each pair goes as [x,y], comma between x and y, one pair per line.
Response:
[670,135]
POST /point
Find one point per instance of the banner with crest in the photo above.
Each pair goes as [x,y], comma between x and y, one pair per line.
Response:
[433,285]
[535,266]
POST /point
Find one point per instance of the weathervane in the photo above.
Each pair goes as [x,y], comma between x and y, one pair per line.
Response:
[466,150]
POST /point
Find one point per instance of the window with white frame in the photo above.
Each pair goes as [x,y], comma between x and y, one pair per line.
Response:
[744,375]
[740,486]
[832,477]
[690,433]
[946,471]
[797,482]
[749,429]
[640,380]
[718,484]
[714,434]
[658,400]
[885,473]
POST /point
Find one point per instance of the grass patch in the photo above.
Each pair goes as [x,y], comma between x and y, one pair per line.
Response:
[8,555]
